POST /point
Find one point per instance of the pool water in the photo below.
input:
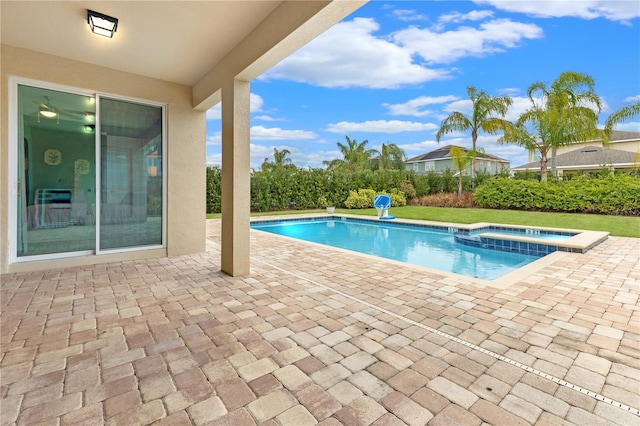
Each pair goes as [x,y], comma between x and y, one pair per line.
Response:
[423,246]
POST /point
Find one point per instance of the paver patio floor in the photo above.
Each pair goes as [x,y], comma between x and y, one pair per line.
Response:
[317,335]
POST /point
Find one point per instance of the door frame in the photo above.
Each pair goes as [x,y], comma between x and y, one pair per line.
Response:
[12,152]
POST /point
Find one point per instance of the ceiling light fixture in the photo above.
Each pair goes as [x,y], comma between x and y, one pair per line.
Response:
[48,114]
[101,24]
[46,110]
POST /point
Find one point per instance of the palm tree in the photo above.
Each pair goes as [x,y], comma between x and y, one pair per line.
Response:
[280,161]
[391,156]
[561,114]
[354,156]
[484,107]
[623,114]
[461,160]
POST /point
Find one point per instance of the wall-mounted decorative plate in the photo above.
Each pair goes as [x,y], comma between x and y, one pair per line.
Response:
[52,157]
[82,167]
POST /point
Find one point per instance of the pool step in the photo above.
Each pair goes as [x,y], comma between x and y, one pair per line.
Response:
[521,247]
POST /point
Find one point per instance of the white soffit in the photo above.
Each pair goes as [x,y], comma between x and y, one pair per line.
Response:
[176,41]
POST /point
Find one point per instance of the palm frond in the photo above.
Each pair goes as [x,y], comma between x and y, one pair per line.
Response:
[621,115]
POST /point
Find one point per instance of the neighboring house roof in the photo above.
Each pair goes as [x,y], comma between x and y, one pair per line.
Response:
[443,153]
[587,157]
[619,136]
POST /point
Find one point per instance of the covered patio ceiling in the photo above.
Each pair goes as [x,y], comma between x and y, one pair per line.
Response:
[176,41]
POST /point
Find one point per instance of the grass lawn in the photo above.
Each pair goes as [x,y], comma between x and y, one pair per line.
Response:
[622,226]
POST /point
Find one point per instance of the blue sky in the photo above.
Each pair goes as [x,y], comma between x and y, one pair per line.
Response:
[391,71]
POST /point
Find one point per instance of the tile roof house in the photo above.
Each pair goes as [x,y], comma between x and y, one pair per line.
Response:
[622,153]
[103,139]
[440,160]
[588,159]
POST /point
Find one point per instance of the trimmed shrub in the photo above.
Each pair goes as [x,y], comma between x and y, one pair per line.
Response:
[445,199]
[408,189]
[361,199]
[617,194]
[398,198]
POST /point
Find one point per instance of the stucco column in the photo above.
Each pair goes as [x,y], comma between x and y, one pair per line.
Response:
[236,176]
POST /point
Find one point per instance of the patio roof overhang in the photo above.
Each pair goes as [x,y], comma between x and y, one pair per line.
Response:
[212,48]
[192,43]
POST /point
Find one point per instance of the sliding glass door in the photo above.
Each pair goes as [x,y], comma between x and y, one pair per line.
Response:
[131,171]
[56,172]
[89,174]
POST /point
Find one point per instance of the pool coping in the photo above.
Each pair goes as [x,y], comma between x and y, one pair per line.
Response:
[580,243]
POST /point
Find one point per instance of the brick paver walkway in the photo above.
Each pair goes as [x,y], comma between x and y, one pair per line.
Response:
[316,335]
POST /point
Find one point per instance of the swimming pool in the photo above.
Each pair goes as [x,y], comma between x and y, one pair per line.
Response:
[430,247]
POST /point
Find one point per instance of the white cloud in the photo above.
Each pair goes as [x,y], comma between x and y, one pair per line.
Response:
[255,102]
[631,126]
[463,105]
[349,55]
[418,148]
[519,105]
[632,99]
[491,37]
[214,159]
[260,152]
[587,9]
[299,156]
[215,113]
[261,133]
[457,17]
[267,118]
[276,133]
[302,158]
[380,126]
[215,139]
[510,91]
[255,105]
[414,106]
[408,15]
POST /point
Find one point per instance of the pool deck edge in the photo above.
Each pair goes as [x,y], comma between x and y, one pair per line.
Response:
[581,242]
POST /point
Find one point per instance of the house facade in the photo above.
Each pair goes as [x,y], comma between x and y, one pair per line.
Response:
[621,153]
[439,160]
[102,140]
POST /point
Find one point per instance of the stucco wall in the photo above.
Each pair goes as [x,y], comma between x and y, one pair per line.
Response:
[186,150]
[630,146]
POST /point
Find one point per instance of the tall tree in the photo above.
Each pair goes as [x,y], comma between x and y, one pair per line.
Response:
[391,156]
[561,114]
[280,161]
[484,109]
[623,114]
[355,156]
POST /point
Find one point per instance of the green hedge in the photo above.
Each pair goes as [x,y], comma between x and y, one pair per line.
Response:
[214,189]
[317,188]
[296,188]
[614,194]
